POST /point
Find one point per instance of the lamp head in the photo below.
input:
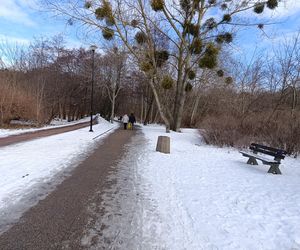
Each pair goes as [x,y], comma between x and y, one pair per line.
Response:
[93,48]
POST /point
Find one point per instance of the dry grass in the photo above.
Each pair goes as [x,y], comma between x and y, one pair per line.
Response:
[282,130]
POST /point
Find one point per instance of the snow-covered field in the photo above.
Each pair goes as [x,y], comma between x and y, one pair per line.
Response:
[197,197]
[209,198]
[54,123]
[27,169]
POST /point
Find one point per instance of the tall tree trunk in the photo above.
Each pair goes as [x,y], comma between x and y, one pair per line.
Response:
[142,108]
[64,113]
[155,117]
[113,102]
[146,121]
[160,107]
[39,98]
[293,101]
[151,113]
[145,111]
[194,111]
[177,122]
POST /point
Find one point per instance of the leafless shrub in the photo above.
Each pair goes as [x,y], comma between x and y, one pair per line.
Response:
[15,103]
[283,131]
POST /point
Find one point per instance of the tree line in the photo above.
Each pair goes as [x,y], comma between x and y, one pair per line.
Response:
[260,103]
[170,41]
[168,62]
[47,80]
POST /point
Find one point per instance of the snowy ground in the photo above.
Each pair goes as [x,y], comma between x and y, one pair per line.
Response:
[212,199]
[198,197]
[55,123]
[27,169]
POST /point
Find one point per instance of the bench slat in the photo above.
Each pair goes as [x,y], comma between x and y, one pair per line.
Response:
[265,161]
[263,151]
[269,148]
[277,153]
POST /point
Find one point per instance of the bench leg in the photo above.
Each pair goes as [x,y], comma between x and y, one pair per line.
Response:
[252,161]
[274,169]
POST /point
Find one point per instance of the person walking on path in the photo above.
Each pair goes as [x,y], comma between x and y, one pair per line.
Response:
[125,120]
[131,120]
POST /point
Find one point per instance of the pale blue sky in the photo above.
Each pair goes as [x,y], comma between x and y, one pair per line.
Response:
[21,22]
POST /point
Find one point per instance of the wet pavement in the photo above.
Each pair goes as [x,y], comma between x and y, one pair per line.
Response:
[123,215]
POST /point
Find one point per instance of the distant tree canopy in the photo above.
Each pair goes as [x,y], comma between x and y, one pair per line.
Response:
[47,80]
[171,41]
[238,102]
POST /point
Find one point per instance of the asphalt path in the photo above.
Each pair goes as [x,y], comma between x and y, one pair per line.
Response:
[12,139]
[58,221]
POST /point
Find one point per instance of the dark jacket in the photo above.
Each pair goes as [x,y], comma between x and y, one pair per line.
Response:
[132,119]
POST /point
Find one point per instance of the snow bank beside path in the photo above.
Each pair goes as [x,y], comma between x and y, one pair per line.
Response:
[209,198]
[27,169]
[53,124]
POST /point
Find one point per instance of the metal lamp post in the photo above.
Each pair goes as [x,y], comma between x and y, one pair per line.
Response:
[93,49]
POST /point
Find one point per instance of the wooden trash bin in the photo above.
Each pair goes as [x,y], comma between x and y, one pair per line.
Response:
[163,144]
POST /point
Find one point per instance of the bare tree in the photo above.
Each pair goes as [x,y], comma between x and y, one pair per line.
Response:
[112,73]
[194,38]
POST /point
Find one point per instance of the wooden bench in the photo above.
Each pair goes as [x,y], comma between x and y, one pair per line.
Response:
[278,155]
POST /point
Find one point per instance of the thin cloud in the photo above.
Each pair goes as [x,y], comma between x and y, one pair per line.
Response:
[284,10]
[17,11]
[13,40]
[74,44]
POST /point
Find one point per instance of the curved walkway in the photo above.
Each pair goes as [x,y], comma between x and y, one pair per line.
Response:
[58,221]
[5,141]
